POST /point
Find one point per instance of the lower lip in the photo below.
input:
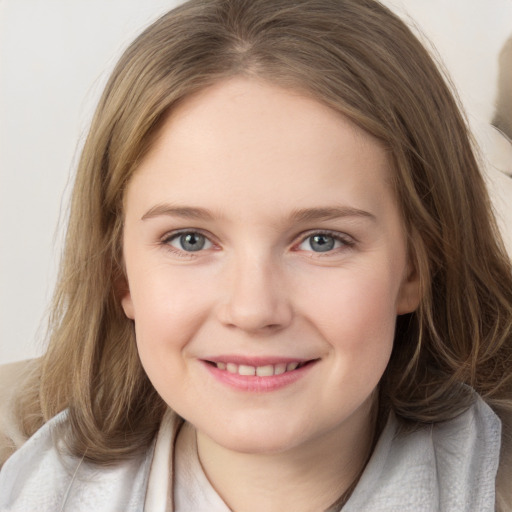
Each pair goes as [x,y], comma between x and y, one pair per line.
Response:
[255,384]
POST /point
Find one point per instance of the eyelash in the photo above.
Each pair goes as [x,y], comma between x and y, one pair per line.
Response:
[346,241]
[170,237]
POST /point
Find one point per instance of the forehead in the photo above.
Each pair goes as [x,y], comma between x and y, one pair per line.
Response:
[246,140]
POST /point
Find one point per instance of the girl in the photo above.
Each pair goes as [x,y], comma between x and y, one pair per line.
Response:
[283,287]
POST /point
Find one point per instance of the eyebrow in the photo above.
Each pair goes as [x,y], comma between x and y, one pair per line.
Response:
[185,212]
[300,215]
[331,213]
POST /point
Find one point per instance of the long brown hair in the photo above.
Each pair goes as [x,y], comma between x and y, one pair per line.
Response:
[361,60]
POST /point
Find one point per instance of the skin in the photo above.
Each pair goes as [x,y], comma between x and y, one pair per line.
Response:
[249,165]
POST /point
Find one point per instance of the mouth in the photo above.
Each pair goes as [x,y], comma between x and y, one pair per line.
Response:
[266,370]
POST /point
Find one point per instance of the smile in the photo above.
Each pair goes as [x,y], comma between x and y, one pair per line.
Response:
[263,375]
[267,370]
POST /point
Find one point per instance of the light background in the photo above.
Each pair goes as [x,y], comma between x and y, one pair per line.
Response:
[55,56]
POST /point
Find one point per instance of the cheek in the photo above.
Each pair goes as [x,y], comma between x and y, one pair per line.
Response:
[356,316]
[169,307]
[167,316]
[360,304]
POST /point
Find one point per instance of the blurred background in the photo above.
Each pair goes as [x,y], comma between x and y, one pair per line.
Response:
[55,57]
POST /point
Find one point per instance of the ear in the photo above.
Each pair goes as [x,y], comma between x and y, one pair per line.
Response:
[125,297]
[409,295]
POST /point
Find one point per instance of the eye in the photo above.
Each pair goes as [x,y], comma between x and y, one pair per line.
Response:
[189,241]
[323,242]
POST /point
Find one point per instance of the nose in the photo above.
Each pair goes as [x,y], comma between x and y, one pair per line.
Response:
[256,300]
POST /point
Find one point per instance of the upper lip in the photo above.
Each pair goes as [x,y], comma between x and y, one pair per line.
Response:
[256,360]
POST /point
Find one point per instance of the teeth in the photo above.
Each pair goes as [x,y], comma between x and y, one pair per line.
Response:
[261,371]
[279,368]
[232,368]
[265,371]
[246,370]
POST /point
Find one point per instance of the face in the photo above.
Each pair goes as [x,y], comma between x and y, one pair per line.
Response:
[266,264]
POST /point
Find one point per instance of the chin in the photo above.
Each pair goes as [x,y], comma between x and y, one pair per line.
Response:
[258,438]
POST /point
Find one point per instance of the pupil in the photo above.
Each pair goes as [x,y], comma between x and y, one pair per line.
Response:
[322,243]
[192,241]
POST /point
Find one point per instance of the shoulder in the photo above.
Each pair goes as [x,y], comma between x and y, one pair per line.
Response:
[465,457]
[36,459]
[478,428]
[487,422]
[42,476]
[11,433]
[468,454]
[449,466]
[504,477]
[471,447]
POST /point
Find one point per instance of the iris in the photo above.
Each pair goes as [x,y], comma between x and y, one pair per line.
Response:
[321,243]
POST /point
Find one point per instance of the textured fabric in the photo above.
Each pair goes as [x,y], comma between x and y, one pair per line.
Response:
[38,477]
[449,467]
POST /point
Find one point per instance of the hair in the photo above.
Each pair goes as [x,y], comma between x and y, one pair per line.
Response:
[359,59]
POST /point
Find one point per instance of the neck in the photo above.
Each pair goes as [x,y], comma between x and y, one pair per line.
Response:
[305,478]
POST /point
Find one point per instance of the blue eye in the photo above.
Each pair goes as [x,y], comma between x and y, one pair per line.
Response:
[190,241]
[321,242]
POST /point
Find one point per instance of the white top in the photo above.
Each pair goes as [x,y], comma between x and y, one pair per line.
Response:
[448,467]
[191,489]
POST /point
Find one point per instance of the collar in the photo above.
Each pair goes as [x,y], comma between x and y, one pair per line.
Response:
[445,467]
